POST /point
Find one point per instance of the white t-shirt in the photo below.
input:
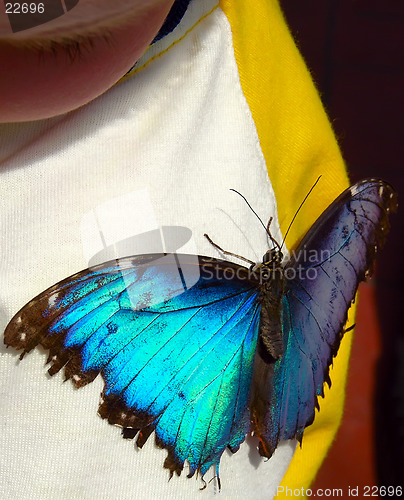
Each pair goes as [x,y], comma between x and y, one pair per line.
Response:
[161,148]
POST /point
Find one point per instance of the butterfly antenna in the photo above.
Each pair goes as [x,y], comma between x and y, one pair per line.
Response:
[275,243]
[298,210]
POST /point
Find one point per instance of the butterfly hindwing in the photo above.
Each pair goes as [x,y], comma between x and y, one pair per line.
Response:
[175,360]
[321,280]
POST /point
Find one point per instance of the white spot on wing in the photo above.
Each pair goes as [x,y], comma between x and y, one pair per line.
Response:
[354,190]
[52,299]
[23,336]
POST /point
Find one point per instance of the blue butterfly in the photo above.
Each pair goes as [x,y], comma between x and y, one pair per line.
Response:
[202,362]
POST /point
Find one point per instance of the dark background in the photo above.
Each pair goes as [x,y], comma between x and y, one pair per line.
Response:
[355,51]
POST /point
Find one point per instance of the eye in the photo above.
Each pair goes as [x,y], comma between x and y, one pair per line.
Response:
[267,257]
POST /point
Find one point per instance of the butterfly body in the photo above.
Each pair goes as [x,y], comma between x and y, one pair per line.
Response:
[272,281]
[202,351]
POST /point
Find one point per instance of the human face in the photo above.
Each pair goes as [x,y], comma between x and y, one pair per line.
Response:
[58,66]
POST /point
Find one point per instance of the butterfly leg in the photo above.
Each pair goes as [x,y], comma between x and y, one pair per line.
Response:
[228,253]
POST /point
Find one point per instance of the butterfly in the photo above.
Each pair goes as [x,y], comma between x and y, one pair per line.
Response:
[202,351]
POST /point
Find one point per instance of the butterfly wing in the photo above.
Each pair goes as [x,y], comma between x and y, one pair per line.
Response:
[321,280]
[176,360]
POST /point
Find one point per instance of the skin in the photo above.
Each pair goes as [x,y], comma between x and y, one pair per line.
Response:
[42,74]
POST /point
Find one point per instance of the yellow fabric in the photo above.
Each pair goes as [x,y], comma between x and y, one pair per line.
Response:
[298,144]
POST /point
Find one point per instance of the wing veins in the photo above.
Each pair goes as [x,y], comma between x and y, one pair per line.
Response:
[126,345]
[314,317]
[203,305]
[240,374]
[221,373]
[196,368]
[211,417]
[364,216]
[182,367]
[353,267]
[363,239]
[319,264]
[101,325]
[65,313]
[308,293]
[85,316]
[365,200]
[147,326]
[162,346]
[118,275]
[335,284]
[311,363]
[238,390]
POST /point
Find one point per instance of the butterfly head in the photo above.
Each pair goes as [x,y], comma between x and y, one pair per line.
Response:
[271,262]
[272,258]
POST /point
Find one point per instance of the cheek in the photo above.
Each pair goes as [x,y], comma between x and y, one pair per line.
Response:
[33,87]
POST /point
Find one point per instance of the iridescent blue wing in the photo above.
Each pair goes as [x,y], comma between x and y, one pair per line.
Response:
[322,278]
[175,359]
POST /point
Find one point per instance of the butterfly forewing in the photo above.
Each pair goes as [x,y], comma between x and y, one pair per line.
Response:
[175,360]
[321,280]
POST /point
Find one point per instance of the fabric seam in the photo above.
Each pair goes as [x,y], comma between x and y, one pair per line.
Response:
[136,70]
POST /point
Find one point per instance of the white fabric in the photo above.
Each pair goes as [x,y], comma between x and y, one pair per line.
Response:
[169,142]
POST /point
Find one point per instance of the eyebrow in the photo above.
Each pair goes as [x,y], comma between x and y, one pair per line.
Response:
[83,32]
[73,46]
